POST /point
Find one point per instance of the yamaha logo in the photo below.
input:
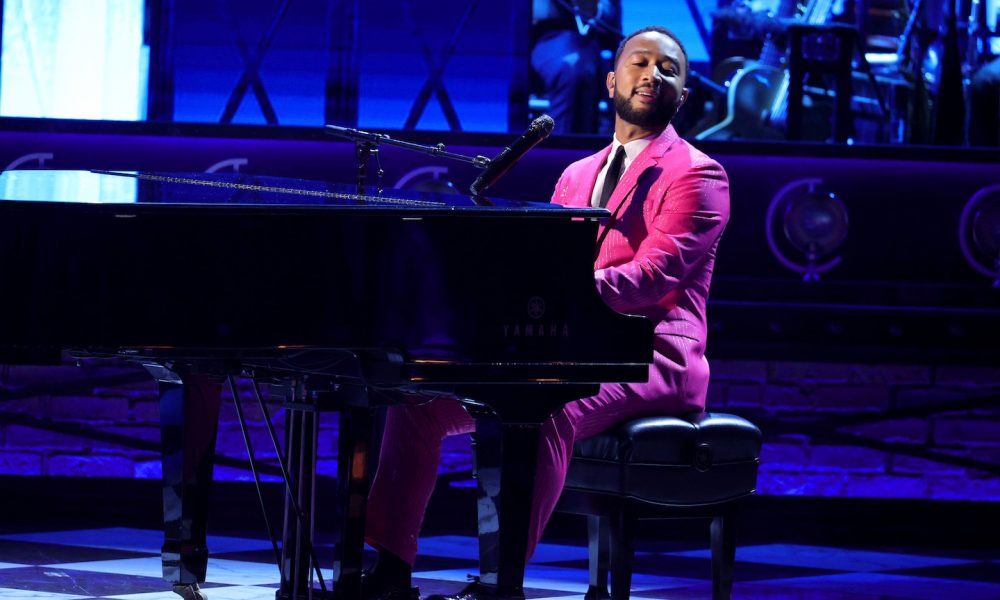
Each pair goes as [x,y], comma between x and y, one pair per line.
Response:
[535,327]
[536,307]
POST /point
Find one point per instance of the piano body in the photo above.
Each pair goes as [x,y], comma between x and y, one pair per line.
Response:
[355,300]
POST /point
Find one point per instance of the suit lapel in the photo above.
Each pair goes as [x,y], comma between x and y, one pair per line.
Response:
[589,175]
[647,159]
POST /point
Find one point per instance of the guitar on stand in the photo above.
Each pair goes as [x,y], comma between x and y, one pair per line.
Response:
[757,102]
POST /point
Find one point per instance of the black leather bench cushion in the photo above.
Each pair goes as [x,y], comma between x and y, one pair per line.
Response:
[701,459]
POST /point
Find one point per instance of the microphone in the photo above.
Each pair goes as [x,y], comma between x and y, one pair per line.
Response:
[539,129]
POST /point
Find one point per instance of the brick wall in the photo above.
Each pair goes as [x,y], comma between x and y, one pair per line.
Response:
[831,429]
[899,431]
[100,419]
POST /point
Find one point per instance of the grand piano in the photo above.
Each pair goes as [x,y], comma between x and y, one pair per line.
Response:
[349,300]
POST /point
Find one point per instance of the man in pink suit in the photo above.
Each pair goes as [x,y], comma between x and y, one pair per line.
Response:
[655,258]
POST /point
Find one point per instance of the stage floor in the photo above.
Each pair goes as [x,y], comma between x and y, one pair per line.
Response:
[124,563]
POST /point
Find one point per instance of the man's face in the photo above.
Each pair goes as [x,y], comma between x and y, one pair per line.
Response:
[648,82]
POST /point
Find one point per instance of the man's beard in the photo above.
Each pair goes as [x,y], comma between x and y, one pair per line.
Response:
[657,117]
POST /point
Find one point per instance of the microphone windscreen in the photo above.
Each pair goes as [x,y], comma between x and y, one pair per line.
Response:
[545,123]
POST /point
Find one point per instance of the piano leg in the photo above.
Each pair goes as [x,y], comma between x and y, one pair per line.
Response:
[505,456]
[356,431]
[189,418]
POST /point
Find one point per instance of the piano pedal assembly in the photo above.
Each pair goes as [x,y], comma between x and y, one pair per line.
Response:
[298,565]
[296,559]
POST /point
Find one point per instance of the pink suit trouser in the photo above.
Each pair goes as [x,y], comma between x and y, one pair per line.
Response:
[411,451]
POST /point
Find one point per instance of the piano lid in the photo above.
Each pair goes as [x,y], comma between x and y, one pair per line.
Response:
[121,187]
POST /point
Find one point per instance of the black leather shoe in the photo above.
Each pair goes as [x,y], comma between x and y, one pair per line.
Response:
[374,587]
[473,591]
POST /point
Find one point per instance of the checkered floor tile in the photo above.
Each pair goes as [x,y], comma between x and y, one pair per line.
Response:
[124,564]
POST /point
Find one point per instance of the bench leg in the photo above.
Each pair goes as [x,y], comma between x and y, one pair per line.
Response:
[723,556]
[597,554]
[622,534]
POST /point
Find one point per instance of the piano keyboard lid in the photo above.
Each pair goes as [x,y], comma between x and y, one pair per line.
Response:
[138,187]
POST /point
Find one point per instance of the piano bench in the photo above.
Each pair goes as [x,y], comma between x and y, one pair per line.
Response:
[695,466]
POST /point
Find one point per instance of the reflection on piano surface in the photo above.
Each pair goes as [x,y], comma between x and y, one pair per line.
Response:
[353,300]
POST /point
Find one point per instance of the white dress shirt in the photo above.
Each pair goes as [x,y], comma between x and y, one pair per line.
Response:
[632,149]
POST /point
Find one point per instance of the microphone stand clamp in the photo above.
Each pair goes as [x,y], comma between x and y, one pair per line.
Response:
[367,143]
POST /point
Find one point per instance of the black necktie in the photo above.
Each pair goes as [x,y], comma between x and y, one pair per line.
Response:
[612,176]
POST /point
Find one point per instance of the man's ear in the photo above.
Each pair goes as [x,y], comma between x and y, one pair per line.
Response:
[684,97]
[611,84]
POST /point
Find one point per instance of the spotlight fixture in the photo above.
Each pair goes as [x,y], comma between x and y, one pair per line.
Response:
[814,223]
[979,232]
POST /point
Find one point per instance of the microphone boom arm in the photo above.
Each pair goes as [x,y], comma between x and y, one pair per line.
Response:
[358,136]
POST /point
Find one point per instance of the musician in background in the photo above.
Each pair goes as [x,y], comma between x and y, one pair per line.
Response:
[669,205]
[568,36]
[984,105]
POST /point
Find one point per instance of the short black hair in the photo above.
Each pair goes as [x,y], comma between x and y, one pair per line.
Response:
[657,29]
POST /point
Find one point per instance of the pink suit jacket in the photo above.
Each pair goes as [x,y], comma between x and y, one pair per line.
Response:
[657,257]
